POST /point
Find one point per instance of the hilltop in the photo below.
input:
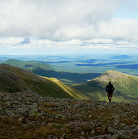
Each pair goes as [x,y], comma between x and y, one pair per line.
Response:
[13,79]
[126,87]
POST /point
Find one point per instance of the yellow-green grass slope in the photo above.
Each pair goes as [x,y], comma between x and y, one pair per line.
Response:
[13,79]
[126,87]
[72,91]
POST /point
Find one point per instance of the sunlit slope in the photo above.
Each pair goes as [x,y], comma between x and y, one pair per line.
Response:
[27,65]
[73,92]
[126,87]
[13,79]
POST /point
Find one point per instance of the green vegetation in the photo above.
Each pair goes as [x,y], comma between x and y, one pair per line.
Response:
[28,65]
[67,82]
[45,70]
[18,80]
[73,92]
[125,87]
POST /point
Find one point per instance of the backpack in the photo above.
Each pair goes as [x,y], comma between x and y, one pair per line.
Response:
[110,88]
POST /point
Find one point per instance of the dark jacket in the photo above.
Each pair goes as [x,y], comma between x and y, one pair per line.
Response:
[110,88]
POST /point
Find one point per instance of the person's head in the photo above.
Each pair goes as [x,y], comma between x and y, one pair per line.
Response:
[109,82]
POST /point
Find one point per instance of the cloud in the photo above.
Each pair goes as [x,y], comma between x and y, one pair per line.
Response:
[10,40]
[26,41]
[119,28]
[74,44]
[51,19]
[71,24]
[100,41]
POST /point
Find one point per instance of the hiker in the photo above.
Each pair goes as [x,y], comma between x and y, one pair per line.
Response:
[109,90]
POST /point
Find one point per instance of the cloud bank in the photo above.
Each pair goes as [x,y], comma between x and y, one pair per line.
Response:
[74,24]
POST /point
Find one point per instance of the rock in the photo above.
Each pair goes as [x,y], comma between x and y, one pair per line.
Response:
[22,111]
[90,116]
[116,116]
[122,125]
[64,136]
[121,132]
[132,126]
[82,132]
[8,104]
[115,136]
[92,132]
[20,118]
[136,128]
[40,114]
[99,106]
[51,137]
[33,112]
[116,121]
[111,130]
[81,137]
[34,105]
[136,110]
[30,110]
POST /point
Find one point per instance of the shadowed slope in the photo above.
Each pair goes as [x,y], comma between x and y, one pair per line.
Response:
[14,79]
[44,69]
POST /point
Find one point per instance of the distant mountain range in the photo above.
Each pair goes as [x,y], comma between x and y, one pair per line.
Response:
[13,79]
[44,69]
[126,87]
[27,65]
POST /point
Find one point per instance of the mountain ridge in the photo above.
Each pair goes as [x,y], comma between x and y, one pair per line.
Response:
[125,87]
[13,79]
[113,75]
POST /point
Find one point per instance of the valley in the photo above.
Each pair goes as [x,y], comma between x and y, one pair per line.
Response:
[85,73]
[13,79]
[72,69]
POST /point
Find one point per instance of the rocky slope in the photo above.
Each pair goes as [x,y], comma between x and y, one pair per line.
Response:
[31,116]
[13,79]
[126,87]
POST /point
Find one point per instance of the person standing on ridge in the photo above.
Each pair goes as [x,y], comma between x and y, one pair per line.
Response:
[109,90]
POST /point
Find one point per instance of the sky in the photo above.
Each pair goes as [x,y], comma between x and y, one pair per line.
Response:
[68,26]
